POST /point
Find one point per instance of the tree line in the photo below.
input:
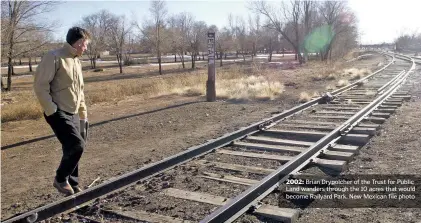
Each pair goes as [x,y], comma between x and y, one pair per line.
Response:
[408,43]
[325,28]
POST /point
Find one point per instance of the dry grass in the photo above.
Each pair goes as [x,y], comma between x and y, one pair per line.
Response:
[331,76]
[342,83]
[318,77]
[257,68]
[324,71]
[355,73]
[351,55]
[231,83]
[252,87]
[304,97]
[26,108]
[330,87]
[334,71]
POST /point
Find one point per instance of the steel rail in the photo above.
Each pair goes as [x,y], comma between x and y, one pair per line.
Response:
[239,205]
[404,57]
[125,180]
[380,90]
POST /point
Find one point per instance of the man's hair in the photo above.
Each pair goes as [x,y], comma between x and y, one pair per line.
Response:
[76,33]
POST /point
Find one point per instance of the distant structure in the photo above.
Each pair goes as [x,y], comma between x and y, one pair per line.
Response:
[382,46]
[411,47]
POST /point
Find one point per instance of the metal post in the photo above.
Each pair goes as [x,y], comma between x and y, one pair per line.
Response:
[210,84]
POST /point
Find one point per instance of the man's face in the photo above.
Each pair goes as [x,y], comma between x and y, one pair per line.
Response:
[81,45]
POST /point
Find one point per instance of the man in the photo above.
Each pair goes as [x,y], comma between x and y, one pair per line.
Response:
[58,85]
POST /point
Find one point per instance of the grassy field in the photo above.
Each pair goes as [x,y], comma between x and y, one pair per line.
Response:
[235,81]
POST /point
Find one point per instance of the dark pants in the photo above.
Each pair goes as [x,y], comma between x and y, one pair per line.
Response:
[66,127]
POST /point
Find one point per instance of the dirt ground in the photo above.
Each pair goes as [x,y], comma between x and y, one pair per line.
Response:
[396,150]
[125,136]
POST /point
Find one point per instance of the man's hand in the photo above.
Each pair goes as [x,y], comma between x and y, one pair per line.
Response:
[84,126]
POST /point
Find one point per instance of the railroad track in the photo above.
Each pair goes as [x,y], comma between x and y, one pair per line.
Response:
[242,171]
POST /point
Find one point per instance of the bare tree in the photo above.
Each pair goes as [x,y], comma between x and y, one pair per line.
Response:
[270,39]
[242,36]
[255,33]
[129,47]
[98,25]
[224,42]
[197,39]
[308,10]
[339,18]
[281,20]
[154,30]
[175,33]
[241,39]
[19,18]
[35,39]
[180,26]
[292,14]
[119,31]
[295,19]
[233,27]
[408,42]
[185,22]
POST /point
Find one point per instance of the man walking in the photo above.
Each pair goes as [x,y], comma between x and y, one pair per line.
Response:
[58,85]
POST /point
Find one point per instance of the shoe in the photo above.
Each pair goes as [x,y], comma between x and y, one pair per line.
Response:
[64,187]
[77,189]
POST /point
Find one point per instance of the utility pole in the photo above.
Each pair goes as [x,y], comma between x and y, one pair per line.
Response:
[210,84]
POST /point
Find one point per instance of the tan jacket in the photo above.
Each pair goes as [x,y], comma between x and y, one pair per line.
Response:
[59,82]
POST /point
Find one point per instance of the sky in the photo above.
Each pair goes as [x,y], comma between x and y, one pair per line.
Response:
[379,20]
